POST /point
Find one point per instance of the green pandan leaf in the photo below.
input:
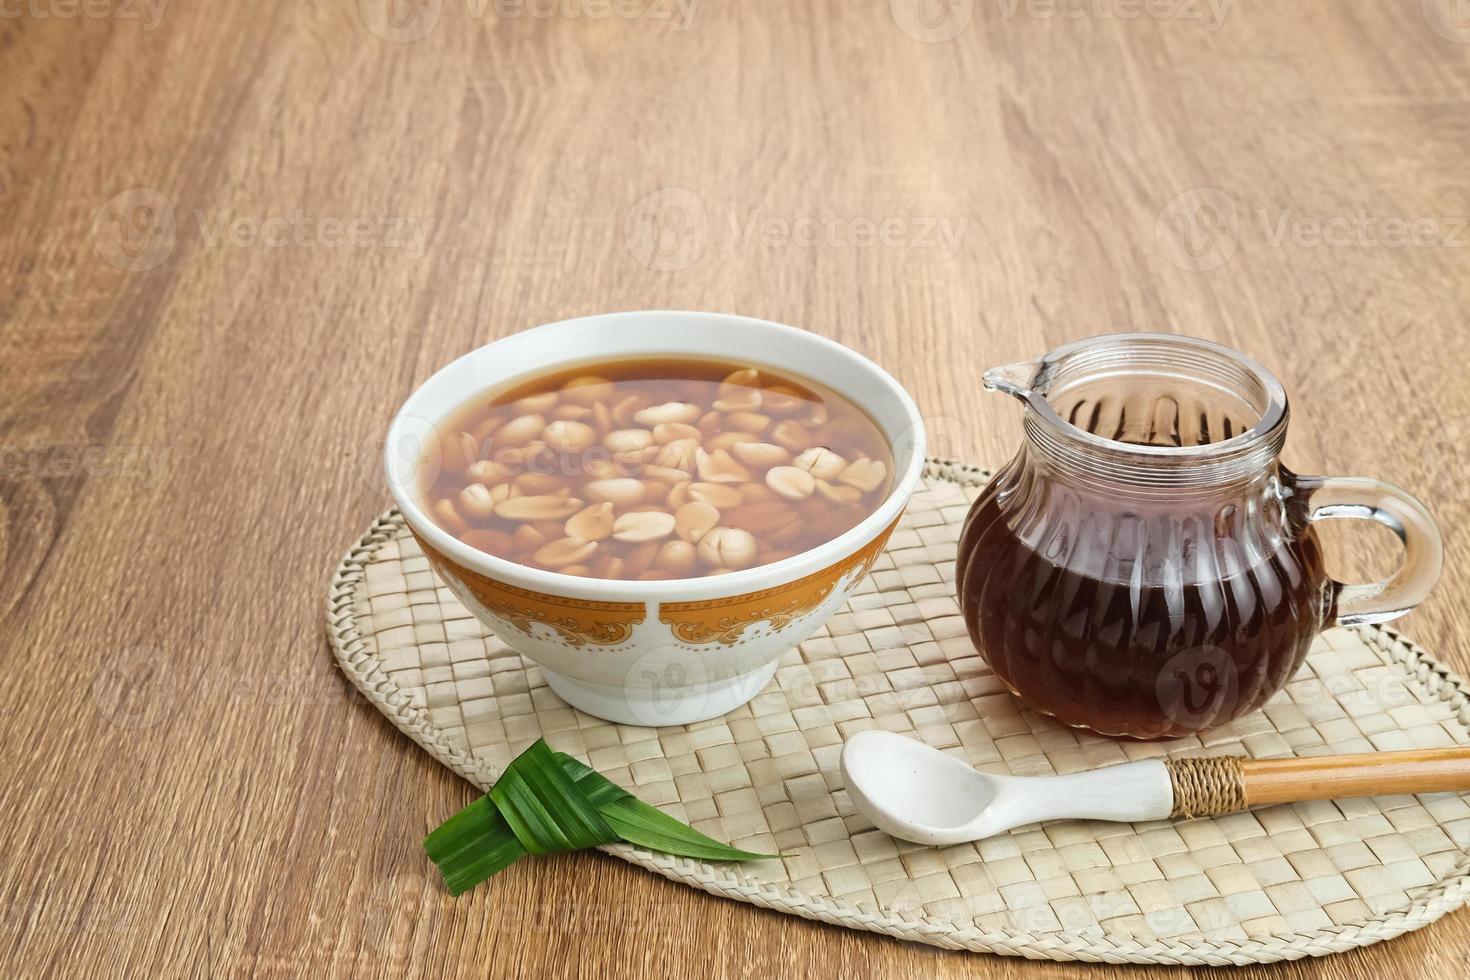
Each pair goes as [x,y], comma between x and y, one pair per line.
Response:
[546,810]
[638,823]
[547,802]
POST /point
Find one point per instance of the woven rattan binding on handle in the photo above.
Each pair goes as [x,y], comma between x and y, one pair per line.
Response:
[1209,786]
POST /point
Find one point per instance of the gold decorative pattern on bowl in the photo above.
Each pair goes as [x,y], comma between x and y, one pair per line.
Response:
[577,621]
[725,620]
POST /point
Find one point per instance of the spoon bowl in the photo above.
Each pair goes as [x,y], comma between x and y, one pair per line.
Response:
[917,793]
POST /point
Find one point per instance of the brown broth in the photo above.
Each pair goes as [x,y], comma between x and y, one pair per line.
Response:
[1093,641]
[656,468]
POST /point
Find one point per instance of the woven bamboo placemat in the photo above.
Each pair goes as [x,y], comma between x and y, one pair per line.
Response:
[1274,883]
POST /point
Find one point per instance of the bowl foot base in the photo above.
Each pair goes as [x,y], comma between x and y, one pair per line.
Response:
[660,704]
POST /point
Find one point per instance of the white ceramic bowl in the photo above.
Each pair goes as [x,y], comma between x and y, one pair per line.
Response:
[655,653]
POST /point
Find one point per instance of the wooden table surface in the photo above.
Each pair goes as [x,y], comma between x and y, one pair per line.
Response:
[236,236]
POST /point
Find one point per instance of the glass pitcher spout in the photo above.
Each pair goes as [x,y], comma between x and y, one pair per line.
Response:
[1016,379]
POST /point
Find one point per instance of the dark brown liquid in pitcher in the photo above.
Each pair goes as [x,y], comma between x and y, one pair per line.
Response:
[1138,625]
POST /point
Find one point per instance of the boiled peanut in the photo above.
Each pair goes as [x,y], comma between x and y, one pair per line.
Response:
[865,474]
[540,507]
[839,494]
[821,463]
[633,460]
[726,547]
[752,422]
[668,412]
[662,474]
[516,458]
[735,381]
[609,566]
[622,491]
[587,389]
[844,430]
[792,435]
[487,471]
[648,525]
[753,492]
[719,495]
[520,431]
[536,404]
[626,408]
[782,400]
[461,450]
[695,518]
[475,500]
[746,400]
[628,440]
[486,429]
[676,557]
[719,467]
[564,551]
[640,559]
[667,432]
[791,482]
[528,538]
[711,423]
[729,440]
[591,523]
[760,454]
[678,455]
[448,517]
[602,418]
[569,437]
[678,495]
[550,529]
[601,469]
[541,483]
[571,413]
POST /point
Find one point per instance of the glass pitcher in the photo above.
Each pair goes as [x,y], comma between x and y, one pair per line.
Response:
[1145,566]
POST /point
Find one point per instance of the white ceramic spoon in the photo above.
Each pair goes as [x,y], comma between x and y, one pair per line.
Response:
[918,793]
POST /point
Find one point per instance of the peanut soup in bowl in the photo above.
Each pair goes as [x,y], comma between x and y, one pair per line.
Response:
[657,468]
[654,507]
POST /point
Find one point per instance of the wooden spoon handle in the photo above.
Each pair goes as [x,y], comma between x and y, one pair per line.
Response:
[1226,784]
[1330,777]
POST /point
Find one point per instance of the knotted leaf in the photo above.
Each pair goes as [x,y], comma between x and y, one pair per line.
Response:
[547,802]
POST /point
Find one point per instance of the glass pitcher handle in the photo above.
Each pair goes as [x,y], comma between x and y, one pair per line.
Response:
[1360,498]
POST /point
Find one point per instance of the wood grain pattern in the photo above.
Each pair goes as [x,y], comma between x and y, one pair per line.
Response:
[1358,774]
[237,235]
